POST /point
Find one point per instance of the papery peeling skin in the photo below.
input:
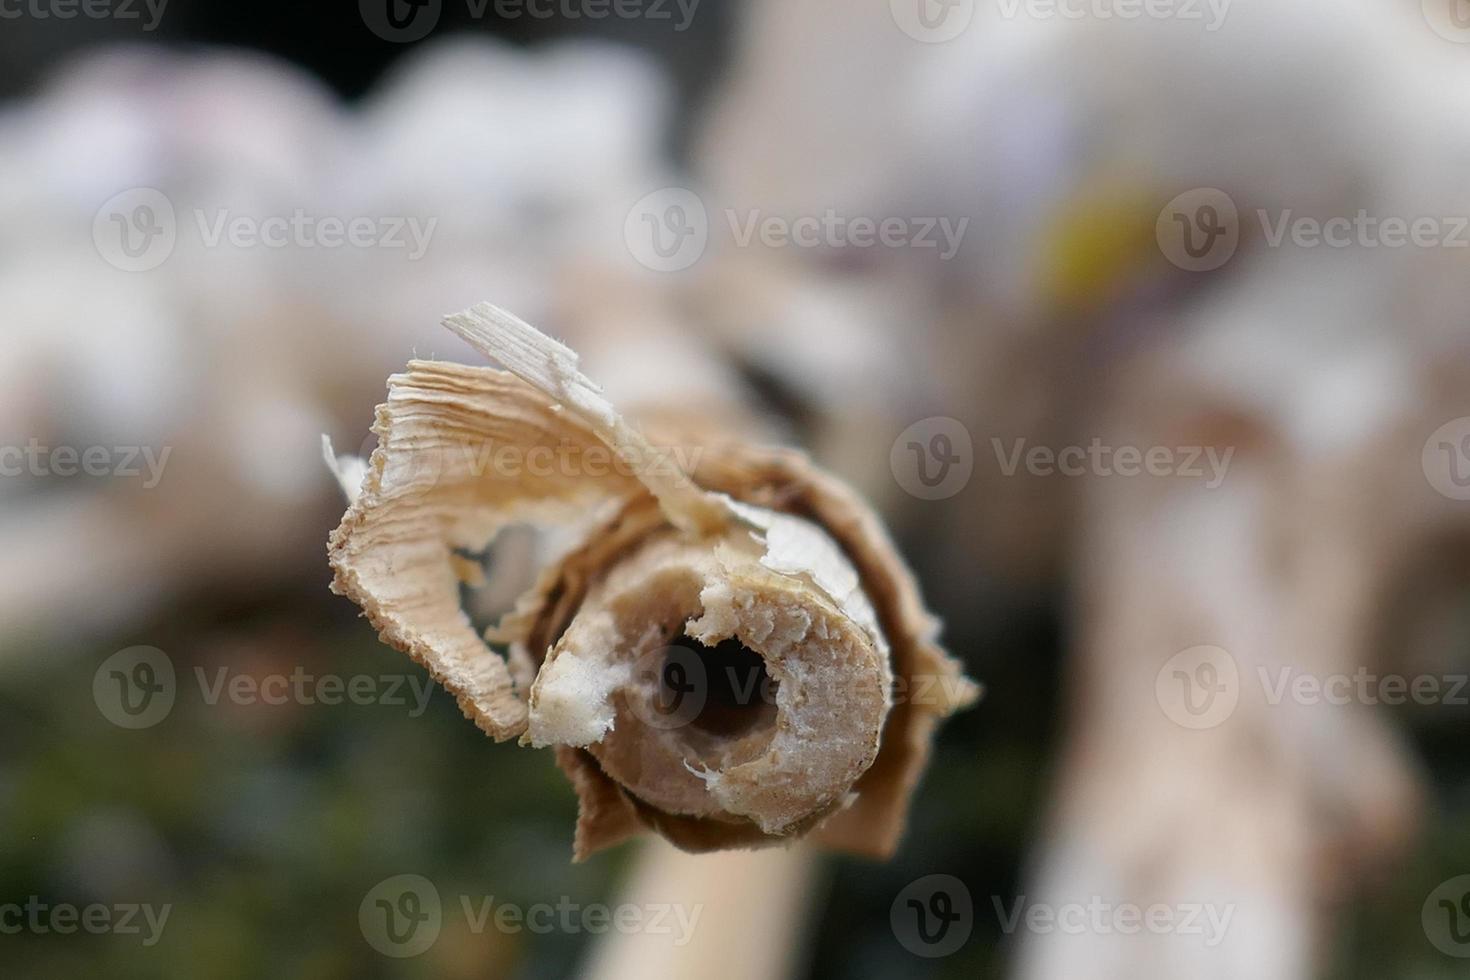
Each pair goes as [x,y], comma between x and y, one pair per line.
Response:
[764,584]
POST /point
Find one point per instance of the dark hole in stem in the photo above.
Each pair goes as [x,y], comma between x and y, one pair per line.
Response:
[739,696]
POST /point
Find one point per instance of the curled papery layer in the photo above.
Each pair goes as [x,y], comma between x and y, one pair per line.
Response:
[456,462]
[731,653]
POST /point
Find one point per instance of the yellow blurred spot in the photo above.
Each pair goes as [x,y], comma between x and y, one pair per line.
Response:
[1098,242]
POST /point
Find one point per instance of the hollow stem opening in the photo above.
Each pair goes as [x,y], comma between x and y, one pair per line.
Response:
[738,695]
